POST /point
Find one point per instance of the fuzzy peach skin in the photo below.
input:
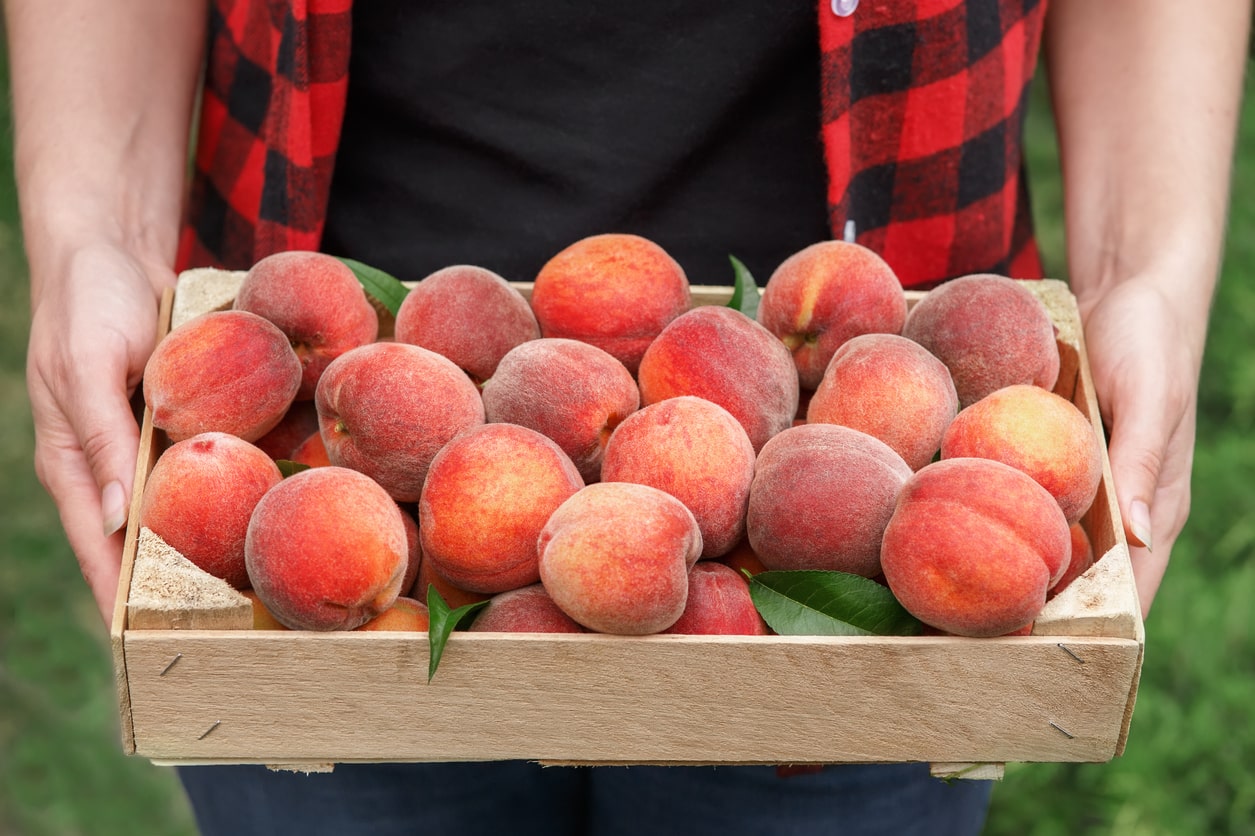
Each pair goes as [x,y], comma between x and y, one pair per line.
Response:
[722,355]
[614,291]
[990,331]
[616,556]
[1035,431]
[974,546]
[694,450]
[525,610]
[263,619]
[452,594]
[889,387]
[742,559]
[569,391]
[1082,558]
[488,494]
[311,452]
[719,604]
[405,615]
[326,550]
[387,408]
[296,426]
[470,315]
[223,371]
[821,497]
[200,496]
[316,301]
[823,295]
[413,549]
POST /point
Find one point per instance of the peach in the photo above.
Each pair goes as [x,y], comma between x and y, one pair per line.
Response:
[821,497]
[889,387]
[525,610]
[200,496]
[488,494]
[742,559]
[452,594]
[297,425]
[223,371]
[405,615]
[387,408]
[311,452]
[722,355]
[470,315]
[973,547]
[990,331]
[694,450]
[826,294]
[1035,431]
[316,301]
[413,551]
[1082,558]
[263,619]
[616,556]
[326,549]
[719,604]
[614,291]
[570,391]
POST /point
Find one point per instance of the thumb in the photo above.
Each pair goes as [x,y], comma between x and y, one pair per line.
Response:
[1140,433]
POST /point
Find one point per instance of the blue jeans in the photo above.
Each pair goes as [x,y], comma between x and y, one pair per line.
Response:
[524,799]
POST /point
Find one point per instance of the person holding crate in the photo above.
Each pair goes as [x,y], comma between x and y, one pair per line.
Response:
[508,133]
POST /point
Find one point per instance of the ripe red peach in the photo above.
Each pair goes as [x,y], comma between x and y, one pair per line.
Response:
[615,291]
[990,331]
[223,371]
[452,594]
[311,452]
[616,556]
[316,301]
[889,387]
[470,315]
[405,615]
[387,408]
[525,610]
[297,424]
[326,549]
[413,551]
[1082,559]
[719,604]
[742,559]
[488,494]
[826,294]
[821,497]
[1035,431]
[569,391]
[694,450]
[200,496]
[263,619]
[974,546]
[722,355]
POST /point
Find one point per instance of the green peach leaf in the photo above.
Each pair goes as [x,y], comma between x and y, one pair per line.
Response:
[745,295]
[380,286]
[287,467]
[442,623]
[827,603]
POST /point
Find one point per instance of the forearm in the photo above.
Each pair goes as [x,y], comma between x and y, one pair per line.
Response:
[1146,97]
[103,96]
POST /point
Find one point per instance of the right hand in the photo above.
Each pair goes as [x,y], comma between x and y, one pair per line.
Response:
[93,327]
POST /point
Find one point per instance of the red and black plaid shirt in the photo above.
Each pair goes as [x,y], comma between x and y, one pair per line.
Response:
[923,106]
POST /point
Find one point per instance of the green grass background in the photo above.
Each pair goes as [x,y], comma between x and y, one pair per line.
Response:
[1190,763]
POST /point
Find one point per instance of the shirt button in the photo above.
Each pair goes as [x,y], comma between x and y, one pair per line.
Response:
[844,8]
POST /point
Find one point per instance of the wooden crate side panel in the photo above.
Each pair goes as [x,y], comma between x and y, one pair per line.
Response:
[296,698]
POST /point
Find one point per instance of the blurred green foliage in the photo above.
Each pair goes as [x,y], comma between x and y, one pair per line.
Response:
[1190,763]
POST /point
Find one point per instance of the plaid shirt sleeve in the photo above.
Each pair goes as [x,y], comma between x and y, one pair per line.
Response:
[923,103]
[923,111]
[272,105]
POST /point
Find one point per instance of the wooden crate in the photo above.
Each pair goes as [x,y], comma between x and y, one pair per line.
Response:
[196,685]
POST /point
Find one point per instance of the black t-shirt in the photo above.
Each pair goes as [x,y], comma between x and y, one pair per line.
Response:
[497,134]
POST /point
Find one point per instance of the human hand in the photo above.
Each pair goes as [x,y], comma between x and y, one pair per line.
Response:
[93,326]
[1145,354]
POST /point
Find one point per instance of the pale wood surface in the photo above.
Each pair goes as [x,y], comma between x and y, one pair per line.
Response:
[169,592]
[304,700]
[969,771]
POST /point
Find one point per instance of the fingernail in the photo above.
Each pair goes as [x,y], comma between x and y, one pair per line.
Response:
[1139,521]
[113,507]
